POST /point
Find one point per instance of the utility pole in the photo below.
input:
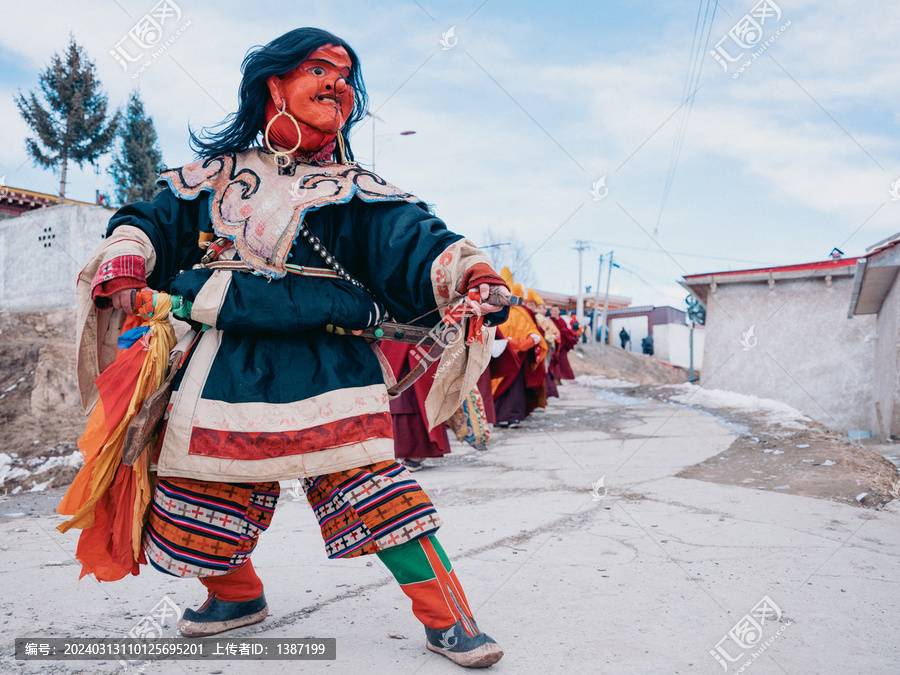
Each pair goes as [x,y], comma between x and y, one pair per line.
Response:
[580,246]
[597,299]
[691,371]
[605,305]
[374,117]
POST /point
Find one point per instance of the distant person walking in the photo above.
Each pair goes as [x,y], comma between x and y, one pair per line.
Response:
[624,337]
[647,345]
[575,326]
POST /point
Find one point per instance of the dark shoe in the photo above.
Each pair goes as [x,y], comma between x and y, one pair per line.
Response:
[514,424]
[503,425]
[216,616]
[457,645]
[414,464]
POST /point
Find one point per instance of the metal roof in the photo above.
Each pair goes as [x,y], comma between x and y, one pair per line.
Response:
[874,276]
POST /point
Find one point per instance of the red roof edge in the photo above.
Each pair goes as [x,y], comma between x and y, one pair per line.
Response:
[822,265]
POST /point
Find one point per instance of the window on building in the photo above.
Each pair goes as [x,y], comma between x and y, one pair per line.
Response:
[46,237]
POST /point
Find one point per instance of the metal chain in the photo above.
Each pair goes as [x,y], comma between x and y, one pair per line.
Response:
[330,260]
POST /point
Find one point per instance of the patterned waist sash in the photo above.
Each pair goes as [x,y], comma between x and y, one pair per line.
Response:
[240,266]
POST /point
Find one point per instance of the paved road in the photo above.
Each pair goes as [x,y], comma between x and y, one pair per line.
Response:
[648,579]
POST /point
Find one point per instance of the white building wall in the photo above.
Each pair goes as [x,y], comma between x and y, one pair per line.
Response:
[42,252]
[637,327]
[887,372]
[672,344]
[804,350]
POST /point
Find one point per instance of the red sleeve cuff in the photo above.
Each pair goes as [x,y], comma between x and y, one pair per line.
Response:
[480,273]
[118,274]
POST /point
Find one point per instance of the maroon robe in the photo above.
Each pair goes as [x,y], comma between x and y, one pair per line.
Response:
[411,436]
[484,388]
[560,368]
[504,369]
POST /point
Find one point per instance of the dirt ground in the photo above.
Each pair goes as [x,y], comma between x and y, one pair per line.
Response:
[40,413]
[815,462]
[812,461]
[617,363]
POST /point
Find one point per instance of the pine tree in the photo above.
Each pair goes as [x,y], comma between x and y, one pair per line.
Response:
[69,123]
[134,166]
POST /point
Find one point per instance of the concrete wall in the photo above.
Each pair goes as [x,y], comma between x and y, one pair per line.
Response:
[804,350]
[672,344]
[887,357]
[42,252]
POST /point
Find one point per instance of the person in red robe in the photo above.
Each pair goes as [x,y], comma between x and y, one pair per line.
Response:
[413,442]
[560,368]
[518,392]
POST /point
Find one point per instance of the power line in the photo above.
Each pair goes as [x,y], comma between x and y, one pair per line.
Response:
[689,255]
[695,68]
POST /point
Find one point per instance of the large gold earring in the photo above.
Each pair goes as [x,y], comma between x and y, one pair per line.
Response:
[279,155]
[342,150]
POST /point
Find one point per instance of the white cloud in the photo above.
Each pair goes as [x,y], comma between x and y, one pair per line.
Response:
[761,165]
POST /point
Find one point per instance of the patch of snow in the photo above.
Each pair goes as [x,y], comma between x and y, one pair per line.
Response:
[8,471]
[10,388]
[39,487]
[36,465]
[618,399]
[828,462]
[598,381]
[75,460]
[775,411]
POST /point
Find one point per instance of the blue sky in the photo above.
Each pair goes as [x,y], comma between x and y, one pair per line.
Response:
[535,102]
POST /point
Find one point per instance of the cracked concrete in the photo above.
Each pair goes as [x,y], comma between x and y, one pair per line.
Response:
[647,579]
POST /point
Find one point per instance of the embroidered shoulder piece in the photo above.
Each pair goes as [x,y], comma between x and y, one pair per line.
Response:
[261,208]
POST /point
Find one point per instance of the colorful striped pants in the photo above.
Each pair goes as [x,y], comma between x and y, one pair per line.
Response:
[208,530]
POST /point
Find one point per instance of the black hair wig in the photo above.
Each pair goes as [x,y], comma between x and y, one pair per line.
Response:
[240,130]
